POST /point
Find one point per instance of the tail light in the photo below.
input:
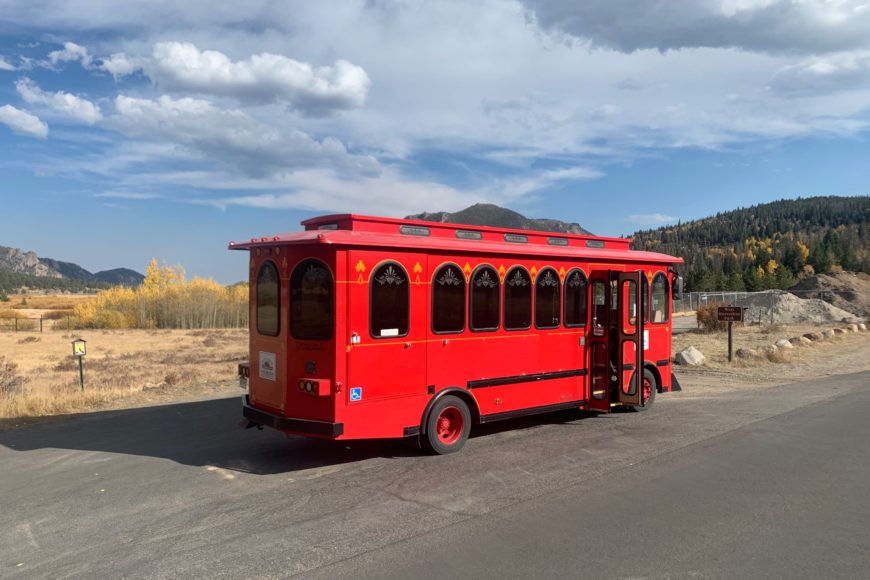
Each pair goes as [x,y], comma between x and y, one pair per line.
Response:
[316,387]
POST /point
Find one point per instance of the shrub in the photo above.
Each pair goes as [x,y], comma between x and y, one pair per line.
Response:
[57,314]
[10,380]
[707,319]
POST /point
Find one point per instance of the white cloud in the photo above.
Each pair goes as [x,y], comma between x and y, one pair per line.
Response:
[119,65]
[66,103]
[231,136]
[809,26]
[23,122]
[71,52]
[128,195]
[5,64]
[387,194]
[824,74]
[649,219]
[261,77]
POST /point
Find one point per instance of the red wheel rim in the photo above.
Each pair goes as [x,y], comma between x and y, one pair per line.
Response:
[647,389]
[449,425]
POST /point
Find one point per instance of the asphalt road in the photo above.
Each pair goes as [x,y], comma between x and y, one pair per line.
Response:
[755,482]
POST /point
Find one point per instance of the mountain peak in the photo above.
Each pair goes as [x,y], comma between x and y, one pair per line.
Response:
[488,214]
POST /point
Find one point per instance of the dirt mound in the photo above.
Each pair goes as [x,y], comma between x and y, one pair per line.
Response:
[847,290]
[781,307]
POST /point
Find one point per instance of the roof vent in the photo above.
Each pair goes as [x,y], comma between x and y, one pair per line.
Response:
[469,235]
[414,230]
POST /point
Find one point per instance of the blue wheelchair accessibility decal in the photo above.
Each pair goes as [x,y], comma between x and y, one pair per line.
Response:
[356,394]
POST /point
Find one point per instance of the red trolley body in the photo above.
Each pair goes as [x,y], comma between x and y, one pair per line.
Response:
[367,327]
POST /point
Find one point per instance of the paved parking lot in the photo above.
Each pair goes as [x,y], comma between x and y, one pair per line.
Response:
[743,482]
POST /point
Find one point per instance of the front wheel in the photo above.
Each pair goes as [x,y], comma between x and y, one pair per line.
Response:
[648,392]
[447,426]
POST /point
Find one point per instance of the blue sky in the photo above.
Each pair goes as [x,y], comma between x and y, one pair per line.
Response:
[165,129]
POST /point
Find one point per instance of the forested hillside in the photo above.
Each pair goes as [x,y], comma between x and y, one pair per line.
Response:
[772,245]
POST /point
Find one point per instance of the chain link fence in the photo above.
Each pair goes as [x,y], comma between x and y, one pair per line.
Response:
[771,306]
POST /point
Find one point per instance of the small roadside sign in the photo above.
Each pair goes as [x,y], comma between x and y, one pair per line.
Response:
[79,351]
[729,314]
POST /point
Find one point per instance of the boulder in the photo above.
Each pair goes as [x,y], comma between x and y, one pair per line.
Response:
[784,343]
[862,327]
[768,349]
[828,334]
[746,353]
[801,341]
[814,336]
[839,331]
[690,356]
[852,328]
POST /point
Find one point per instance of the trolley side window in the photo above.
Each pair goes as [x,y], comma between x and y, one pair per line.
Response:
[390,301]
[484,301]
[268,304]
[576,304]
[312,299]
[448,300]
[660,310]
[547,299]
[517,299]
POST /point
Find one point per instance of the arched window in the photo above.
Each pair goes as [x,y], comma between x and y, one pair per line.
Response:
[268,303]
[547,289]
[448,299]
[390,301]
[312,301]
[517,299]
[660,311]
[484,299]
[576,302]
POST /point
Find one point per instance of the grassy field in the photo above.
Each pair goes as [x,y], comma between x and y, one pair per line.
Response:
[39,376]
[714,345]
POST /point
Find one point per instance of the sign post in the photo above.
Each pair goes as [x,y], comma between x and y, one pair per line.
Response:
[79,351]
[729,314]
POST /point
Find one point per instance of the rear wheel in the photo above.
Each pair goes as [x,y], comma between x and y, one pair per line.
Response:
[447,426]
[648,391]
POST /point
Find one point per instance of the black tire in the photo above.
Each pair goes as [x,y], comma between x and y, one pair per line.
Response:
[447,426]
[648,375]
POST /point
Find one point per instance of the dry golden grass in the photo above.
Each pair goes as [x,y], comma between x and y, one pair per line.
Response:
[122,368]
[714,345]
[47,301]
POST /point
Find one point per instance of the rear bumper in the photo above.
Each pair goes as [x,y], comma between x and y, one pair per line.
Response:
[303,426]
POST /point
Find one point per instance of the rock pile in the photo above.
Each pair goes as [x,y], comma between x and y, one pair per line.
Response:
[781,307]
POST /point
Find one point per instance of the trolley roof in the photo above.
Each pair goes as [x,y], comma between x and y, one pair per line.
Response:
[370,231]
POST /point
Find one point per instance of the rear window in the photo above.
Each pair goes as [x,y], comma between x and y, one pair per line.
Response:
[312,298]
[268,305]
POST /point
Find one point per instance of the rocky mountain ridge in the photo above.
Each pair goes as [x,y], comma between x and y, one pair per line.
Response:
[17,261]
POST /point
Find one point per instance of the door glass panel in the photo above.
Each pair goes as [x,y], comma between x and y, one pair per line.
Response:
[599,308]
[629,317]
[629,357]
[599,375]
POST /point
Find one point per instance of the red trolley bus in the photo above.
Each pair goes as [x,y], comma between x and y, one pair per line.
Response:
[369,327]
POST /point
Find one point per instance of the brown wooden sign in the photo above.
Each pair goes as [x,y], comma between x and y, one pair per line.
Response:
[729,314]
